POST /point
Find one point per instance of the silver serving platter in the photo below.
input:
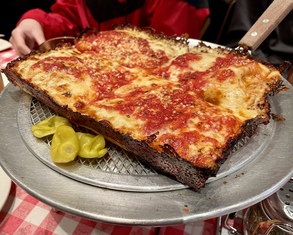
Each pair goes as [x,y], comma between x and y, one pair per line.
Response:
[120,170]
[251,183]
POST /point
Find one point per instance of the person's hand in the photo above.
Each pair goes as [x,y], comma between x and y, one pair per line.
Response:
[26,35]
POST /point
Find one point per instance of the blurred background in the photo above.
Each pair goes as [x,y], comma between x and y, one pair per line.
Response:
[14,10]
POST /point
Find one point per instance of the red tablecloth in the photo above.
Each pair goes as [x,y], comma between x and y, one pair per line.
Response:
[6,56]
[25,215]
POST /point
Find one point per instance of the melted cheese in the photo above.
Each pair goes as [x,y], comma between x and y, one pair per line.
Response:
[193,100]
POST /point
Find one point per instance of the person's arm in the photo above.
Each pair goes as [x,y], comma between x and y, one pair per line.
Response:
[64,18]
[26,35]
[67,18]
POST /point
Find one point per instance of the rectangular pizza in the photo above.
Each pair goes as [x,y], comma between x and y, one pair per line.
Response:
[179,109]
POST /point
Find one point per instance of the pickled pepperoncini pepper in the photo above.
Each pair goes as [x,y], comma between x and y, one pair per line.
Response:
[48,126]
[65,145]
[91,146]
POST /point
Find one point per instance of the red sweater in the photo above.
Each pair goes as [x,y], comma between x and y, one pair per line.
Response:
[172,17]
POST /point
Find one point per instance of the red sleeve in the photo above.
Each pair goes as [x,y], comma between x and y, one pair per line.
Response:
[69,17]
[177,17]
[64,19]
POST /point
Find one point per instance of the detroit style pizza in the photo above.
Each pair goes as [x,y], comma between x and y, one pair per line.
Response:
[179,109]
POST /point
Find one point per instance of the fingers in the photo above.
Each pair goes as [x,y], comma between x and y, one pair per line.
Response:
[39,38]
[26,36]
[19,44]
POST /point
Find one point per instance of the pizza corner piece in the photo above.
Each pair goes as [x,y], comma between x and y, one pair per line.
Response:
[179,109]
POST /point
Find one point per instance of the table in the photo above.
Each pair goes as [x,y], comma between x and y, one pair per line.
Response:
[26,215]
[23,214]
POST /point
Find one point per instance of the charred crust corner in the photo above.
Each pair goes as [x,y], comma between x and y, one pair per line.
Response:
[277,117]
[151,138]
[87,31]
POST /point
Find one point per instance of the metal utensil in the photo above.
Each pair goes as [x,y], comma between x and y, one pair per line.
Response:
[54,42]
[266,23]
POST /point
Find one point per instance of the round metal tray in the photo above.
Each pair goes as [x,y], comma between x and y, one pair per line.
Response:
[119,169]
[254,181]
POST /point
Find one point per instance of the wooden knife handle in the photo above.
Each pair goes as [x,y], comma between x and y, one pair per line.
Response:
[266,23]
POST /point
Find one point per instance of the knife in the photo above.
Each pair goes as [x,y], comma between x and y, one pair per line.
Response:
[265,24]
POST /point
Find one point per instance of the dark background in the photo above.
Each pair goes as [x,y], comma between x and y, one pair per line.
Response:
[12,10]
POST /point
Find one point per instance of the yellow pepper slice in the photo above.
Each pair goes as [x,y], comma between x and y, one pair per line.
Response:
[48,126]
[91,146]
[65,145]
